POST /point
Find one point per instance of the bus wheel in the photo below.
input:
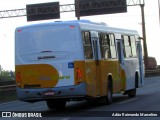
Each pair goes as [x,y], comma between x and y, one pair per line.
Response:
[109,93]
[58,105]
[132,93]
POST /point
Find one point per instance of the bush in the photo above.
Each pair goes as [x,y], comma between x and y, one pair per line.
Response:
[7,77]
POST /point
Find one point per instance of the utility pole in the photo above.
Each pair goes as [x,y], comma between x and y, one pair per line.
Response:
[144,37]
[159,10]
[1,70]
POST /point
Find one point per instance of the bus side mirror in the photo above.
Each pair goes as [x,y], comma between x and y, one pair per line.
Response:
[140,38]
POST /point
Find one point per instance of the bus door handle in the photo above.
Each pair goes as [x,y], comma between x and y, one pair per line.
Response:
[45,57]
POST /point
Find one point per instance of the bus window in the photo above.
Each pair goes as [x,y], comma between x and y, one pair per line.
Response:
[88,53]
[133,46]
[127,47]
[104,45]
[112,45]
[119,52]
[123,48]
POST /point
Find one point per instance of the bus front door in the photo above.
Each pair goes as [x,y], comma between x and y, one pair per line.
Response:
[121,62]
[141,68]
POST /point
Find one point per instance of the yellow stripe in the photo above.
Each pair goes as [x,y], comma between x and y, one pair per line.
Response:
[38,74]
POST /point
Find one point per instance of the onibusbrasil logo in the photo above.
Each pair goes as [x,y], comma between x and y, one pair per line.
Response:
[21,114]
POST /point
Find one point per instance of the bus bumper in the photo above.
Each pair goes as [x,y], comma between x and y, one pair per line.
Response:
[74,92]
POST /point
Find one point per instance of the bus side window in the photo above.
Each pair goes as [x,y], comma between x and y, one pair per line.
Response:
[119,52]
[133,45]
[112,45]
[88,53]
[104,46]
[127,46]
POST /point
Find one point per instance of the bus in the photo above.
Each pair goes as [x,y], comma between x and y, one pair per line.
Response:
[64,61]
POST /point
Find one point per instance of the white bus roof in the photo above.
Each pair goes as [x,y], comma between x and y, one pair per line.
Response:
[84,25]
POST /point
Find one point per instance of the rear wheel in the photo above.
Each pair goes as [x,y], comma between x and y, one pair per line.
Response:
[132,93]
[109,93]
[58,105]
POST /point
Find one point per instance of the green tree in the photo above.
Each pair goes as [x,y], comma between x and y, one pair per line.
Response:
[6,75]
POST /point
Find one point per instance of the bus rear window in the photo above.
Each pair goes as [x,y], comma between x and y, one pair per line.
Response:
[50,38]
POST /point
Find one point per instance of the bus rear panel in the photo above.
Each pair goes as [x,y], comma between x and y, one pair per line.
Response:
[45,62]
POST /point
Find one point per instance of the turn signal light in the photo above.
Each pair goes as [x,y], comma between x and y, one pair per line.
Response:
[18,79]
[79,76]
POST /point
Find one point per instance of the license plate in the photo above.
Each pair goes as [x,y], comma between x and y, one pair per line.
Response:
[49,93]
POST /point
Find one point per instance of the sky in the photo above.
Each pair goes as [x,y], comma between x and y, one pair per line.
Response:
[129,20]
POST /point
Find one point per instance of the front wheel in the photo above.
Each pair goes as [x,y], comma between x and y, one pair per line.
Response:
[109,93]
[133,92]
[58,105]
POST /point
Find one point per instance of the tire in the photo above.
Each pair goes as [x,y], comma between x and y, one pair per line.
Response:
[109,93]
[132,93]
[58,105]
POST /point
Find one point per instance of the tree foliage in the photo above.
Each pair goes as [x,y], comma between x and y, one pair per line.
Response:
[6,75]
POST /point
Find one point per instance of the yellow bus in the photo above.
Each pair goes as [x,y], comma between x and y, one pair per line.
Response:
[76,60]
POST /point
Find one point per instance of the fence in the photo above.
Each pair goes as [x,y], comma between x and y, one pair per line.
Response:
[7,93]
